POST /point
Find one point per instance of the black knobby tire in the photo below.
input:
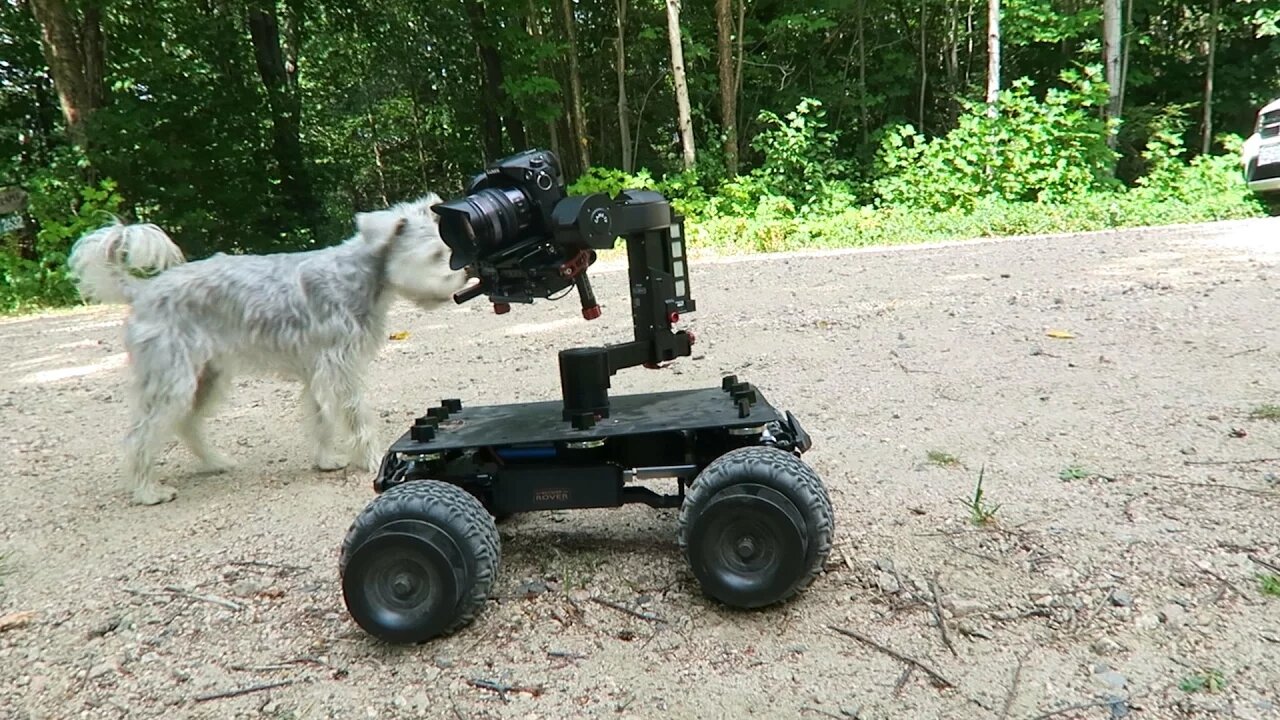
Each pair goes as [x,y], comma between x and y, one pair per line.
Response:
[756,527]
[446,547]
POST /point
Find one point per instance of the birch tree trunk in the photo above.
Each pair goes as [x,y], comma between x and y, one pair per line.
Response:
[682,89]
[624,112]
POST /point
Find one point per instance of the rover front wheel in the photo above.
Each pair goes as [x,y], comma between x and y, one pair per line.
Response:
[418,562]
[756,527]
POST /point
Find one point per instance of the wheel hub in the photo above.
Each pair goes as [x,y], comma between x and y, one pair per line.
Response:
[748,545]
[403,582]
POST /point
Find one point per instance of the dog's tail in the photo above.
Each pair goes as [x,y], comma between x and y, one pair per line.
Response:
[105,264]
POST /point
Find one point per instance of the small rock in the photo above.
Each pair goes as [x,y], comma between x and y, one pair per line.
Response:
[1111,679]
[852,711]
[1121,598]
[961,607]
[37,684]
[248,587]
[443,662]
[1147,621]
[885,564]
[1173,616]
[532,588]
[888,583]
[970,629]
[103,669]
[1188,451]
[1106,646]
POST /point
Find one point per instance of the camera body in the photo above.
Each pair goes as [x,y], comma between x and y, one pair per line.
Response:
[519,232]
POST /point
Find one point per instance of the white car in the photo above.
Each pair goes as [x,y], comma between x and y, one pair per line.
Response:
[1260,156]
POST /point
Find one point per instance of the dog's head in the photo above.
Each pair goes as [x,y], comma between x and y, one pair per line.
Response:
[417,259]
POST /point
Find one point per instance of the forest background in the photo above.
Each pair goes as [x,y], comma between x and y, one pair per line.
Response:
[263,125]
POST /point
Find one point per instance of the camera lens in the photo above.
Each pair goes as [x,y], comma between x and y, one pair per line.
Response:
[480,223]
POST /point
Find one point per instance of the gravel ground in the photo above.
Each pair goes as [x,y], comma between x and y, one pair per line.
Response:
[1133,491]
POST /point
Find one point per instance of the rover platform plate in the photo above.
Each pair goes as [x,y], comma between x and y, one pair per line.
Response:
[637,414]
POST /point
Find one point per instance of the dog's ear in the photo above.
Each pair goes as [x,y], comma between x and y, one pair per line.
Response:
[381,226]
[429,202]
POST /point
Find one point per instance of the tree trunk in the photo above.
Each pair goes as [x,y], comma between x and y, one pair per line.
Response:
[1127,33]
[578,118]
[737,70]
[728,100]
[624,112]
[74,50]
[535,30]
[1111,58]
[377,160]
[862,72]
[953,64]
[1206,139]
[682,89]
[499,111]
[280,80]
[924,45]
[993,52]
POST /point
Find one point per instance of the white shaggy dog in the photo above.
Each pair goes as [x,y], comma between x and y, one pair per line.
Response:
[316,317]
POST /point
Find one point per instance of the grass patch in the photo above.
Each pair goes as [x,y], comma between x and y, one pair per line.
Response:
[1073,472]
[942,459]
[980,513]
[1269,584]
[1265,412]
[1210,681]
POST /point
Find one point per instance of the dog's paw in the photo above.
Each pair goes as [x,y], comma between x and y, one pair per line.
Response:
[217,465]
[367,461]
[154,494]
[329,462]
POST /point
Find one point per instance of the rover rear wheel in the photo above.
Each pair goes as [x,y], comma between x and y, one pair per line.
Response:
[756,527]
[418,562]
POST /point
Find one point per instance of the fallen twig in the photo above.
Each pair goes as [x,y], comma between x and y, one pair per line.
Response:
[624,609]
[902,680]
[1072,708]
[260,563]
[1246,352]
[173,590]
[502,688]
[936,607]
[286,665]
[565,654]
[1013,691]
[1265,563]
[908,370]
[1225,582]
[820,711]
[244,691]
[1252,461]
[937,678]
[1223,486]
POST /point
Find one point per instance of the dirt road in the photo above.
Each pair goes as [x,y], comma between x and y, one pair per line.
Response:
[1117,573]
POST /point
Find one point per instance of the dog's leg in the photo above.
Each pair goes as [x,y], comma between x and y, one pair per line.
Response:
[209,393]
[320,409]
[342,387]
[161,406]
[365,454]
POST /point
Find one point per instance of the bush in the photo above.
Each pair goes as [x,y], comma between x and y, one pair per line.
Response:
[63,207]
[1022,149]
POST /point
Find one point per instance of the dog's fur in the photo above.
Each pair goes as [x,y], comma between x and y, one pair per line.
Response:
[317,317]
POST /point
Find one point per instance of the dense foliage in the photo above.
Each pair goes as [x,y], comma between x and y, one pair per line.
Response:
[261,125]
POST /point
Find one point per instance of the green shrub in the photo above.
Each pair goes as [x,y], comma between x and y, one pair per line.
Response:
[63,206]
[1022,149]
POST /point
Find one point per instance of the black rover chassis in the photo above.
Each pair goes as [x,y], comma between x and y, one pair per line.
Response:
[755,522]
